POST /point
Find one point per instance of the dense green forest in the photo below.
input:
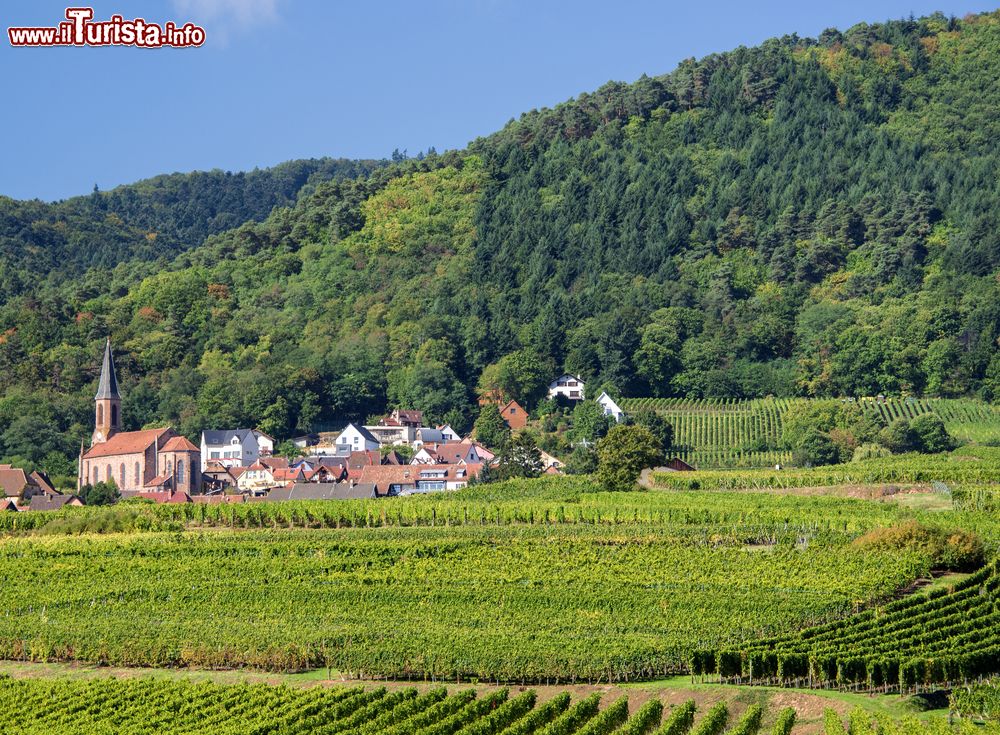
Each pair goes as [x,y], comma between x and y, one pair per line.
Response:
[813,217]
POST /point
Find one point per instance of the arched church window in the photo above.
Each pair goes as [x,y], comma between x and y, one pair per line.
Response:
[100,414]
[180,472]
[138,480]
[109,475]
[114,415]
[121,476]
[95,475]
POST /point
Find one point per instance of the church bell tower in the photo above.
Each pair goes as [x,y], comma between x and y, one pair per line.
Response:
[108,403]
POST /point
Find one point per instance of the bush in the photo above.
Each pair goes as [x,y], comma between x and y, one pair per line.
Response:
[954,550]
[931,435]
[870,451]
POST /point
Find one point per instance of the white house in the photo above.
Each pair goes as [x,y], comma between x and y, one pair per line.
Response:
[393,435]
[448,433]
[610,407]
[234,447]
[567,386]
[356,439]
[447,453]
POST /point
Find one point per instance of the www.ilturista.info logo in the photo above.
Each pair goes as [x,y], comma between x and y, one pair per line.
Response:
[79,29]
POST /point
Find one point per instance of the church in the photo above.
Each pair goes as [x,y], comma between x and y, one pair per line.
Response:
[138,462]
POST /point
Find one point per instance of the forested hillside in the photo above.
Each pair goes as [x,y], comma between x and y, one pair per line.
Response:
[150,220]
[808,217]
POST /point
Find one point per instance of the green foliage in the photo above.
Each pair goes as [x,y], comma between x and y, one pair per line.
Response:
[981,699]
[951,549]
[866,452]
[589,422]
[490,428]
[517,544]
[101,493]
[623,454]
[288,449]
[931,435]
[784,722]
[714,720]
[680,719]
[658,426]
[518,458]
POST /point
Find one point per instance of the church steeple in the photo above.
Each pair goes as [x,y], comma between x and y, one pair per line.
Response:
[108,387]
[107,410]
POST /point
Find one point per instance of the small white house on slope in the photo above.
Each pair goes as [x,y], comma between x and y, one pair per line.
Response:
[611,408]
[355,439]
[568,386]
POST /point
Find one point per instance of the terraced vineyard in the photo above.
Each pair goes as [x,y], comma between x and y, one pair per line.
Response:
[154,707]
[729,433]
[977,468]
[938,639]
[722,432]
[528,581]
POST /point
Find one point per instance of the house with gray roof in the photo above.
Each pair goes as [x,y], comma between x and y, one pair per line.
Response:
[234,447]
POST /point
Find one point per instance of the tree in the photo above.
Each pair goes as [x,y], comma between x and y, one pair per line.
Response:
[898,437]
[658,426]
[518,458]
[589,421]
[490,428]
[101,493]
[288,450]
[931,435]
[523,375]
[623,454]
[815,448]
[581,461]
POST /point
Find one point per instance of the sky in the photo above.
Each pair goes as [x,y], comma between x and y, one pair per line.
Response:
[282,79]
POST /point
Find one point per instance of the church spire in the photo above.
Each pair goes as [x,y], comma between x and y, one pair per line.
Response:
[108,387]
[107,402]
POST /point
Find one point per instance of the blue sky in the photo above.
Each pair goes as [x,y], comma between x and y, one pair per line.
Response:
[284,79]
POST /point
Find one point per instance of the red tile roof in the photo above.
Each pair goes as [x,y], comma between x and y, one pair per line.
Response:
[179,444]
[12,480]
[128,442]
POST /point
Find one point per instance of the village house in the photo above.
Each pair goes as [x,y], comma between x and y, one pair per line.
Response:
[217,478]
[355,439]
[448,453]
[53,502]
[609,406]
[390,434]
[426,435]
[567,386]
[262,475]
[14,482]
[514,415]
[151,459]
[413,479]
[234,447]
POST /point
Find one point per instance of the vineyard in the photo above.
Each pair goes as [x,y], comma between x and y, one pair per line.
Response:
[941,639]
[148,707]
[978,466]
[729,433]
[530,581]
[523,603]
